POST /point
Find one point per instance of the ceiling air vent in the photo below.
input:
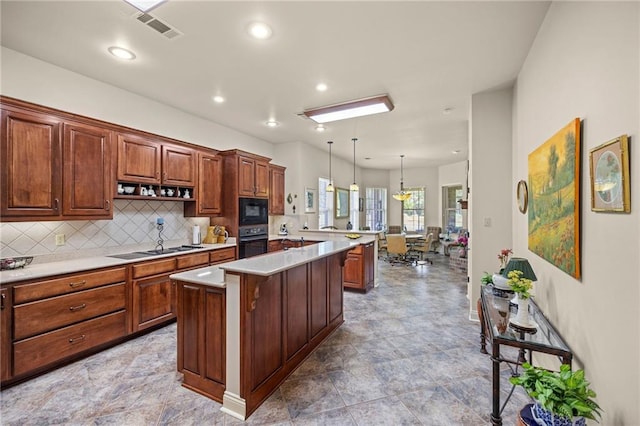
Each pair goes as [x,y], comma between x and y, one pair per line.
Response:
[157,25]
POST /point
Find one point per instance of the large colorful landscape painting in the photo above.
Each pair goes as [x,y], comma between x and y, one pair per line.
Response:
[554,199]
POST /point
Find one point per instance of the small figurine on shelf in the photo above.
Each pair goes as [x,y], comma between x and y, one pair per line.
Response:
[170,192]
[151,192]
[163,192]
[186,194]
[143,191]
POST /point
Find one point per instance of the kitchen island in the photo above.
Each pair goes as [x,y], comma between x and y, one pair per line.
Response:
[246,325]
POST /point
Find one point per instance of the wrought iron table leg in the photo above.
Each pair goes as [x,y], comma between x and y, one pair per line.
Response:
[483,346]
[496,419]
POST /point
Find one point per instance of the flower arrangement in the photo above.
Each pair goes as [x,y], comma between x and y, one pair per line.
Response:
[503,257]
[518,284]
[463,241]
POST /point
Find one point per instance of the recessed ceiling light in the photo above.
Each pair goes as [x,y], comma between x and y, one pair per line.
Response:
[144,5]
[122,53]
[321,87]
[457,151]
[447,111]
[218,99]
[272,123]
[320,128]
[260,30]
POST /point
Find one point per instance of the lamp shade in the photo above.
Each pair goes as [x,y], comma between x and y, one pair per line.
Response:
[520,264]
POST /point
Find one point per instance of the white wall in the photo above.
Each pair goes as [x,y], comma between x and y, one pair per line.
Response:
[32,80]
[585,63]
[491,186]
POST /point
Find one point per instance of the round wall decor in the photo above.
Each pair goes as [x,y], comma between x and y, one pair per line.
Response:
[522,195]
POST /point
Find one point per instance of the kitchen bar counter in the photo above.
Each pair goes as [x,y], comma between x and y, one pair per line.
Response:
[79,264]
[240,339]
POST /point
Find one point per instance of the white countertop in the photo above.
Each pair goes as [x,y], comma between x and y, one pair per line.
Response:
[272,263]
[314,235]
[211,275]
[49,269]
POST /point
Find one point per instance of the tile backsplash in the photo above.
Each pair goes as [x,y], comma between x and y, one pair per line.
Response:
[134,222]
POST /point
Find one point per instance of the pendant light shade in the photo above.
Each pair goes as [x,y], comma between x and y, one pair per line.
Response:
[330,187]
[354,185]
[402,195]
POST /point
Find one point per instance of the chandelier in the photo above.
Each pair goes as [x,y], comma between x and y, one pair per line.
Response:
[402,195]
[330,187]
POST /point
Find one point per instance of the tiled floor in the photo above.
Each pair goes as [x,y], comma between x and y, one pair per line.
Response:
[406,354]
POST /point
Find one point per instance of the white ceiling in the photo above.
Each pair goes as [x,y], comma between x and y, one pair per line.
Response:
[427,56]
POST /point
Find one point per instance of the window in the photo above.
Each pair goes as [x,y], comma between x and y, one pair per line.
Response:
[354,214]
[413,211]
[376,209]
[325,204]
[451,210]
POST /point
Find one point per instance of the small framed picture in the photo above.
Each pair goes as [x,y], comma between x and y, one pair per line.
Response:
[609,167]
[309,200]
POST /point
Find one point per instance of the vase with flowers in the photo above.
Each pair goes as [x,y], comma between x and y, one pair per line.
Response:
[503,257]
[463,242]
[521,287]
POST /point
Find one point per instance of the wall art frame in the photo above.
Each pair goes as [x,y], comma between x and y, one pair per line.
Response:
[609,175]
[309,200]
[554,199]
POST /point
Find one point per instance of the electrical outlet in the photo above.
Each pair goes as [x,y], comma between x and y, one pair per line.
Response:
[60,239]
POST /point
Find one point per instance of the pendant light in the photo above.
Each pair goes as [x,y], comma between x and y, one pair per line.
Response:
[330,187]
[354,185]
[401,195]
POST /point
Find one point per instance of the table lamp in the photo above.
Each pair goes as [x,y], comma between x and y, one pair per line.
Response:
[520,264]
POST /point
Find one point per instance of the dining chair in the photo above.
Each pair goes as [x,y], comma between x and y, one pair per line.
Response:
[382,244]
[421,248]
[396,249]
[394,229]
[434,246]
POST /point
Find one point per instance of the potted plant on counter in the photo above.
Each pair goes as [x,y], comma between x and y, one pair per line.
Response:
[562,398]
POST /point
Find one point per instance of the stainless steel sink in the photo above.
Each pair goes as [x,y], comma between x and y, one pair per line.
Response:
[141,254]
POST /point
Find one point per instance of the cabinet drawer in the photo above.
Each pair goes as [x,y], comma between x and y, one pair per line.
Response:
[154,268]
[356,250]
[70,284]
[45,315]
[223,255]
[192,260]
[47,348]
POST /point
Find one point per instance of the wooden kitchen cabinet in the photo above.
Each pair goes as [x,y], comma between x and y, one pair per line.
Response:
[144,160]
[178,165]
[359,268]
[87,172]
[6,322]
[208,188]
[41,155]
[57,319]
[31,156]
[253,177]
[154,293]
[222,255]
[274,245]
[276,190]
[202,338]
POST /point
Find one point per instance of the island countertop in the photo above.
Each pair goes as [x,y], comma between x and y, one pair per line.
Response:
[272,263]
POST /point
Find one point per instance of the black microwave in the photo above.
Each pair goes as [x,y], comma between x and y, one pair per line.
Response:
[253,211]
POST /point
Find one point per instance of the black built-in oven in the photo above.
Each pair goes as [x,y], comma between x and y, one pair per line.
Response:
[253,211]
[252,240]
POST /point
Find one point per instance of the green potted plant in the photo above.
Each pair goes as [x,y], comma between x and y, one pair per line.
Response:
[561,398]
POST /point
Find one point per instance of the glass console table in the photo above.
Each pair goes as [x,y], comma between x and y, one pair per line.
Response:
[494,311]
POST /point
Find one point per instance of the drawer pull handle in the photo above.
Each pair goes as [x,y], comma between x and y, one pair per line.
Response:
[77,284]
[76,339]
[2,297]
[77,308]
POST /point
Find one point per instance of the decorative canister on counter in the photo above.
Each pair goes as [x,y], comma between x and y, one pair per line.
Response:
[222,235]
[211,237]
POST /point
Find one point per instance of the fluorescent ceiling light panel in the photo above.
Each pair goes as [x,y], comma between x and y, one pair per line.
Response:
[144,5]
[350,109]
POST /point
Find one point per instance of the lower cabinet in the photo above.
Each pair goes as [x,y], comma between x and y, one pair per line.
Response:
[359,268]
[202,338]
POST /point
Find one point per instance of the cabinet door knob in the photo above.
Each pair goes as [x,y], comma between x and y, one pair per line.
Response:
[2,297]
[107,205]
